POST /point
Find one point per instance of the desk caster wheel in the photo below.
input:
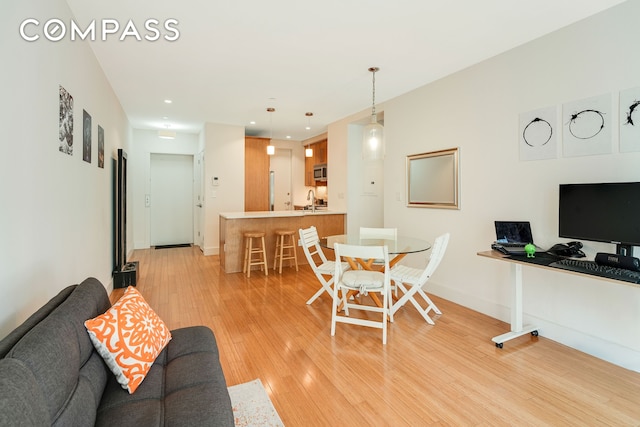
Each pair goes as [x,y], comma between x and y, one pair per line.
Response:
[499,344]
[534,333]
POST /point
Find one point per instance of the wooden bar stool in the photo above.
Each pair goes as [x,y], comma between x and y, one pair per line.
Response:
[281,245]
[250,250]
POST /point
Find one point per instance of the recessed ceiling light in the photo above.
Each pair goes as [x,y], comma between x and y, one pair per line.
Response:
[252,122]
[168,101]
[288,136]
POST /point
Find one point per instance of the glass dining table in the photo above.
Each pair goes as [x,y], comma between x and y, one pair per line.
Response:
[398,248]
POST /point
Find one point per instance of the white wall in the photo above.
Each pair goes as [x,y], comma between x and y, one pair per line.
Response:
[56,214]
[146,142]
[477,110]
[223,146]
[350,177]
[56,218]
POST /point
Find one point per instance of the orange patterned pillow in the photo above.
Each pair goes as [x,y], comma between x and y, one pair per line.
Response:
[129,336]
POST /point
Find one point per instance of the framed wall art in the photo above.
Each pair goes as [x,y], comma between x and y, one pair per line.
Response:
[630,120]
[432,179]
[538,134]
[586,126]
[65,123]
[86,137]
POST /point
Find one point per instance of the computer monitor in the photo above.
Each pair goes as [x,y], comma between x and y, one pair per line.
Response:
[603,212]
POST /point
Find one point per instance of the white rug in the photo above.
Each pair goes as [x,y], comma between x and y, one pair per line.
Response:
[252,406]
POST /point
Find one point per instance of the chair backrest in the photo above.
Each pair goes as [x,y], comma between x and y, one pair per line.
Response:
[378,233]
[362,252]
[311,246]
[437,253]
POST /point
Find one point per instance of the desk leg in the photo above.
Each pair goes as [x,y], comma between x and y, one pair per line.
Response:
[517,327]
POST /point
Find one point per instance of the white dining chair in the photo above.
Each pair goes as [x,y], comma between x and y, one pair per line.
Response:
[411,281]
[378,233]
[321,266]
[363,282]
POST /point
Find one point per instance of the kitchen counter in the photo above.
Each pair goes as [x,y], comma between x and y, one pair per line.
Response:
[234,224]
[278,214]
[307,207]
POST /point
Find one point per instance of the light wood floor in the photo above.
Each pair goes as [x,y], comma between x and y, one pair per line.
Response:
[447,374]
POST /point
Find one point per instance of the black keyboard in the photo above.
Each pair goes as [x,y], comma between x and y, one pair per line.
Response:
[590,267]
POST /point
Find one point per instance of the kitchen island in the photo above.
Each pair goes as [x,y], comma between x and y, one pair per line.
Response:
[234,224]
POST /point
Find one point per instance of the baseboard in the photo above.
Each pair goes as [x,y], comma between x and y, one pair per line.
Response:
[211,250]
[594,346]
[597,347]
[488,308]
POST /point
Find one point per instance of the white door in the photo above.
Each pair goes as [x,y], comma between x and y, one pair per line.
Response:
[280,164]
[172,192]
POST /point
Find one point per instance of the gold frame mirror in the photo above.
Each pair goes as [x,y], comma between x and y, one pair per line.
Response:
[432,179]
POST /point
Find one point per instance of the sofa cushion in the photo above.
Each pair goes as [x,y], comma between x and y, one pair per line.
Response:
[185,386]
[129,336]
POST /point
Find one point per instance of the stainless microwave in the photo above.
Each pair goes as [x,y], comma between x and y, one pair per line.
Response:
[320,172]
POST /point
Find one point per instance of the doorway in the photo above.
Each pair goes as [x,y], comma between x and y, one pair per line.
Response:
[199,186]
[171,204]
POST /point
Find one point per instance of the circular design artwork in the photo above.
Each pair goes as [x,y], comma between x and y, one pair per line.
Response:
[537,133]
[632,109]
[586,124]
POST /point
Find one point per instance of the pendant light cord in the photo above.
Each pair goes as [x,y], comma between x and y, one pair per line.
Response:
[271,110]
[373,106]
[373,70]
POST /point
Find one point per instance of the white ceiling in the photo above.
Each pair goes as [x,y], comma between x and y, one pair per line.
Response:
[234,59]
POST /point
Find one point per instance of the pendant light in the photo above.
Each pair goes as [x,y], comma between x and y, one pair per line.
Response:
[271,149]
[308,152]
[373,137]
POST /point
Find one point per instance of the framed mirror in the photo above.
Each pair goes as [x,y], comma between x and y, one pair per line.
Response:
[432,179]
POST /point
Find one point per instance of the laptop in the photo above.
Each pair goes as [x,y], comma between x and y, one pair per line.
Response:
[512,236]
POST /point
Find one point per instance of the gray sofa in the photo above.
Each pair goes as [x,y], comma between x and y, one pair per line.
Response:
[50,373]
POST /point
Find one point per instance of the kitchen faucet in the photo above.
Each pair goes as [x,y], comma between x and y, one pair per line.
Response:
[312,196]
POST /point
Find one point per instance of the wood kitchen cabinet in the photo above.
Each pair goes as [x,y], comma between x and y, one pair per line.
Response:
[319,157]
[256,174]
[308,172]
[320,152]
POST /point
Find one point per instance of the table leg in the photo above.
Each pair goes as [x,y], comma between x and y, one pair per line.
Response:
[396,259]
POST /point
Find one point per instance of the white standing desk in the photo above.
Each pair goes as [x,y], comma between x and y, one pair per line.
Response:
[517,327]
